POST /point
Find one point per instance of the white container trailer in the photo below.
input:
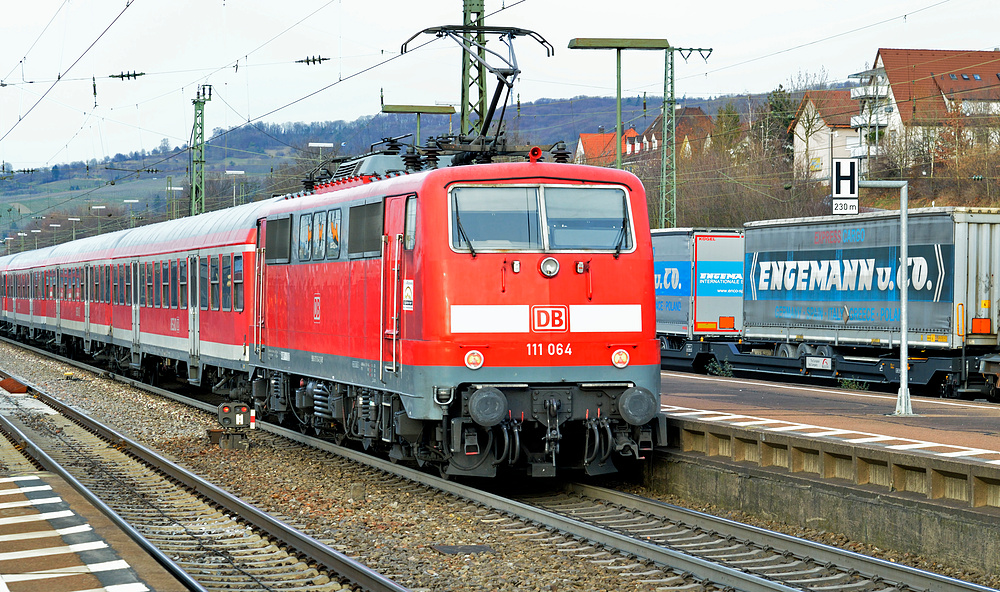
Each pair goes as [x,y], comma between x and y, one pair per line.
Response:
[836,280]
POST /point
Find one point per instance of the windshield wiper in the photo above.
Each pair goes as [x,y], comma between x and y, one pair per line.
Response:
[621,235]
[461,232]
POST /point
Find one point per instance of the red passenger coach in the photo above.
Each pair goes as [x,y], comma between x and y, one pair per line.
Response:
[473,318]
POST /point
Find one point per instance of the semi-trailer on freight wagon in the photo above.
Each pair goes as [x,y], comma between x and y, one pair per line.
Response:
[821,298]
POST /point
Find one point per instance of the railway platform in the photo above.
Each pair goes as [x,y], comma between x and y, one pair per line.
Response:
[838,461]
[53,540]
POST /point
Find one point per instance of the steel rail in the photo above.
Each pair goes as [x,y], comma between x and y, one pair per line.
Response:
[865,565]
[49,464]
[337,562]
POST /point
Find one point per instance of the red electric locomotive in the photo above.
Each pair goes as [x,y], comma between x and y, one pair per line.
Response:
[469,317]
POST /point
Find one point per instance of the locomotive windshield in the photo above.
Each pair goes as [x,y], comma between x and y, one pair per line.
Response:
[548,218]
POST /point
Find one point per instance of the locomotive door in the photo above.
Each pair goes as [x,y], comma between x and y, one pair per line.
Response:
[392,274]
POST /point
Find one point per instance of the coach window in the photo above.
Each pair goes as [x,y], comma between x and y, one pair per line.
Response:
[319,235]
[203,282]
[142,284]
[214,279]
[237,282]
[149,284]
[333,235]
[128,285]
[165,286]
[107,284]
[193,266]
[156,284]
[121,283]
[114,284]
[305,236]
[182,277]
[410,226]
[173,283]
[227,282]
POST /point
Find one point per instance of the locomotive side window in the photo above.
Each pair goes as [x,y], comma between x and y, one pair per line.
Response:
[364,234]
[333,235]
[227,283]
[305,236]
[214,279]
[237,282]
[319,235]
[278,242]
[410,225]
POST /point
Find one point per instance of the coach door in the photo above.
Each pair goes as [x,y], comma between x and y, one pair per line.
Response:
[392,277]
[194,320]
[88,297]
[132,285]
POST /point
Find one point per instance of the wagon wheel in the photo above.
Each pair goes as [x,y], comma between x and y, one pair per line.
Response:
[786,350]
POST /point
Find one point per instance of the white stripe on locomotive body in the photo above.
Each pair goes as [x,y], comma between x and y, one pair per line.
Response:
[489,318]
[516,318]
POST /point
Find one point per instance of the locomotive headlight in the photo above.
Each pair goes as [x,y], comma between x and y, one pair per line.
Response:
[549,266]
[474,360]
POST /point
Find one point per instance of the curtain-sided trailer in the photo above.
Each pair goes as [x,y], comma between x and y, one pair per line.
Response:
[822,298]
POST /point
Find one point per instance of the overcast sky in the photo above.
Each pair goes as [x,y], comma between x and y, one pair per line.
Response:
[247,49]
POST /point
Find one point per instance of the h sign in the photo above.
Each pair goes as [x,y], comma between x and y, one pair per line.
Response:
[845,177]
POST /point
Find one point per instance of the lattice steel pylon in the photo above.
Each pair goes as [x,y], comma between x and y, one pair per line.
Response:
[198,150]
[473,71]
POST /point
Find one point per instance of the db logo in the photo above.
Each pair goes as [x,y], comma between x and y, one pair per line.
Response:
[549,319]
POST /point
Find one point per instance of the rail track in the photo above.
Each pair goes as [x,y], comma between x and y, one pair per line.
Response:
[654,545]
[204,535]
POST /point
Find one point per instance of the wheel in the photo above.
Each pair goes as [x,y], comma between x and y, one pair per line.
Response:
[804,350]
[824,351]
[786,350]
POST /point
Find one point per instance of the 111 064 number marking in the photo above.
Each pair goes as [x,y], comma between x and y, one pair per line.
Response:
[550,349]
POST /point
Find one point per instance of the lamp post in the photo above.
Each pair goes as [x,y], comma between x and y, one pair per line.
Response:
[234,173]
[131,220]
[53,225]
[669,123]
[321,146]
[173,199]
[35,231]
[22,235]
[74,221]
[98,216]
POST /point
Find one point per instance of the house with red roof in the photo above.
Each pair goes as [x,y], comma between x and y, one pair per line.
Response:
[692,132]
[920,97]
[599,149]
[822,131]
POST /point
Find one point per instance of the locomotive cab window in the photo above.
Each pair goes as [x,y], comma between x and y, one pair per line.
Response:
[305,236]
[333,235]
[546,218]
[319,235]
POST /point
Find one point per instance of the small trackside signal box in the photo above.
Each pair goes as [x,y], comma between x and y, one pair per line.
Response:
[236,416]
